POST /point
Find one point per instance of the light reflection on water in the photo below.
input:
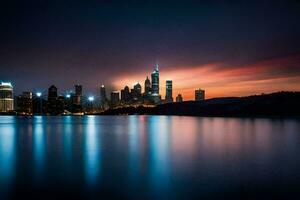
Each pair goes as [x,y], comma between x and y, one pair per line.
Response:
[39,144]
[7,150]
[134,134]
[92,150]
[159,137]
[149,156]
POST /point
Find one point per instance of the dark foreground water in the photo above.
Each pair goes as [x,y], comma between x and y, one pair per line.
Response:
[148,157]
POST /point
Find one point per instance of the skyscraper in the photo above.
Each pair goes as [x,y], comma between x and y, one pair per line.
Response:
[6,97]
[114,98]
[102,94]
[147,87]
[52,100]
[77,98]
[136,92]
[125,94]
[155,81]
[78,90]
[52,93]
[155,85]
[169,95]
[199,95]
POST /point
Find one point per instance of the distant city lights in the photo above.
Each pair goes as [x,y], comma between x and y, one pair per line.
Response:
[91,98]
[6,84]
[38,94]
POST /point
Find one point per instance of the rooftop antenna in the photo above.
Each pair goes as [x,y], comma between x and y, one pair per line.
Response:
[156,67]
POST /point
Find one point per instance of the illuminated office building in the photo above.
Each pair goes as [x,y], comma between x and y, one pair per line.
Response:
[6,97]
[155,85]
[155,81]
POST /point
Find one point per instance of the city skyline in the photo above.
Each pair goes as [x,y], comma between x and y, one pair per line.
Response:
[185,84]
[229,49]
[154,88]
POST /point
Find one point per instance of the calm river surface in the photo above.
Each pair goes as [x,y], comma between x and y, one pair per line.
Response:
[148,157]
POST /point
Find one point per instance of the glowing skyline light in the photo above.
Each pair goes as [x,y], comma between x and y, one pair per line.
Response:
[91,98]
[38,94]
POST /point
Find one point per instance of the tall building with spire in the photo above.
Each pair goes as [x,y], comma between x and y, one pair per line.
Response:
[155,80]
[155,85]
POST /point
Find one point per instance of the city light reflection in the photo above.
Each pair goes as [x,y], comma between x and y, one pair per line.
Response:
[92,151]
[39,143]
[7,148]
[159,137]
[133,140]
[67,138]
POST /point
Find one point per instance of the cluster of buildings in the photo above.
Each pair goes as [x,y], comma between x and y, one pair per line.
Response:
[150,96]
[76,103]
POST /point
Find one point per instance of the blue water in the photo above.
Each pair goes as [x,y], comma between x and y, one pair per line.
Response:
[148,157]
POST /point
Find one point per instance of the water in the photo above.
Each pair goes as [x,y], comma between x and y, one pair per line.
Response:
[148,157]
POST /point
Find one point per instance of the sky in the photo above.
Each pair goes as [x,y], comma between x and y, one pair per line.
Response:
[228,48]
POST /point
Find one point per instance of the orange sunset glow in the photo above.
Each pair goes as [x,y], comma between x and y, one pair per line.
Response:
[220,80]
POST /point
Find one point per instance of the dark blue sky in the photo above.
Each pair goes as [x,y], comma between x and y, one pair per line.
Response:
[94,42]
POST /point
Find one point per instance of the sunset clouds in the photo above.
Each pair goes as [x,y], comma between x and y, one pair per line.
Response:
[219,79]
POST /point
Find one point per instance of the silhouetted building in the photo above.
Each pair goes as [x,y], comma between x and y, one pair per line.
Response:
[55,104]
[103,97]
[78,90]
[199,95]
[136,92]
[147,87]
[24,103]
[125,94]
[179,98]
[52,93]
[114,98]
[39,105]
[77,98]
[169,95]
[69,101]
[155,85]
[6,97]
[61,104]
